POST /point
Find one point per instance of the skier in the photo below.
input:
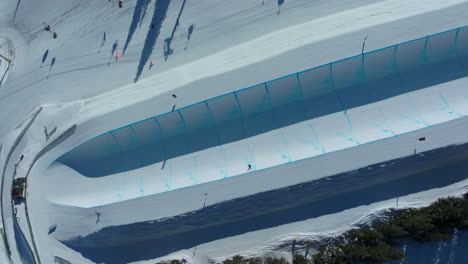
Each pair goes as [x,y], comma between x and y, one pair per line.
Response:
[249,167]
[46,27]
[55,35]
[120,4]
[151,65]
[117,54]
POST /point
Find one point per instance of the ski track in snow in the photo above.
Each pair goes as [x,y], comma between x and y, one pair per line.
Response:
[265,47]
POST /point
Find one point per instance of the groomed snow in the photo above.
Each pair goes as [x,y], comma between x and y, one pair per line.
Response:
[279,122]
[235,45]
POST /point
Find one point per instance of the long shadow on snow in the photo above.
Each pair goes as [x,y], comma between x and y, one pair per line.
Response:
[16,11]
[138,15]
[24,249]
[167,42]
[44,57]
[160,147]
[158,17]
[146,240]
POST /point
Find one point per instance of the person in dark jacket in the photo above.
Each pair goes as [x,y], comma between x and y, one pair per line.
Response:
[120,4]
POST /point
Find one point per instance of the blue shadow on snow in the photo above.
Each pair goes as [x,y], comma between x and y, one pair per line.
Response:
[159,16]
[152,239]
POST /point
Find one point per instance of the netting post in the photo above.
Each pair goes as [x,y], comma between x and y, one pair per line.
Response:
[244,134]
[332,83]
[277,124]
[456,48]
[425,50]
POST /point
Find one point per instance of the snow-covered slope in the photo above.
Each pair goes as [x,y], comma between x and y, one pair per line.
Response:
[218,47]
[333,107]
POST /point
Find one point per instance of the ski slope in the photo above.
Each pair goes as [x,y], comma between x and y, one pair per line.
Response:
[83,91]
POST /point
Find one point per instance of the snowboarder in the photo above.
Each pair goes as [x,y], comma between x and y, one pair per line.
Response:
[151,65]
[46,27]
[120,4]
[55,35]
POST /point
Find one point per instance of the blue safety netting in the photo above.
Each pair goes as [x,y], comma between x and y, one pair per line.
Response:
[327,89]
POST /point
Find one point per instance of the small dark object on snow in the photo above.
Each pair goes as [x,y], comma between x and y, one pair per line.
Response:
[98,217]
[152,26]
[46,27]
[190,31]
[55,35]
[422,139]
[175,96]
[280,3]
[120,4]
[249,167]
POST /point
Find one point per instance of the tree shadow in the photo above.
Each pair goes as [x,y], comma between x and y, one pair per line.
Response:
[138,14]
[44,57]
[143,13]
[167,42]
[159,16]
